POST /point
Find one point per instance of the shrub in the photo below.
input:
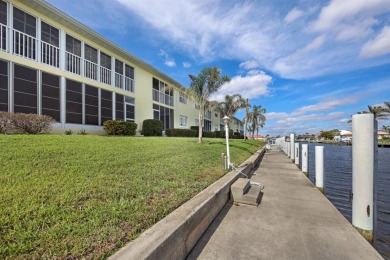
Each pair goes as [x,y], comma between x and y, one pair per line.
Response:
[119,127]
[82,132]
[181,132]
[219,134]
[209,134]
[68,132]
[20,123]
[152,127]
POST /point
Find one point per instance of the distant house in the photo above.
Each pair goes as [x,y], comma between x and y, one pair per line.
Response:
[382,134]
[344,136]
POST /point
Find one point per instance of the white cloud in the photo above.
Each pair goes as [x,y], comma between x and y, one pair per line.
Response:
[253,85]
[293,15]
[380,45]
[318,40]
[186,65]
[168,60]
[327,105]
[250,64]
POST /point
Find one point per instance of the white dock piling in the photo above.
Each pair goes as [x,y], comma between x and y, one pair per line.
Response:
[363,160]
[292,147]
[305,158]
[296,154]
[319,153]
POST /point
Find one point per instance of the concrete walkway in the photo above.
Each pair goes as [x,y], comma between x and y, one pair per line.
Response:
[293,221]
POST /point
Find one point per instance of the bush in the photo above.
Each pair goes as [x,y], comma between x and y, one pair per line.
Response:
[20,123]
[181,132]
[219,134]
[209,134]
[152,127]
[68,132]
[82,132]
[119,127]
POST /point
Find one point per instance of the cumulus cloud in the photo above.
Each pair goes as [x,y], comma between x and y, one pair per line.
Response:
[293,15]
[186,65]
[250,64]
[253,85]
[327,105]
[380,45]
[168,60]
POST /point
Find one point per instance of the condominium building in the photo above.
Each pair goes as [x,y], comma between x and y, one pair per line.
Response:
[50,64]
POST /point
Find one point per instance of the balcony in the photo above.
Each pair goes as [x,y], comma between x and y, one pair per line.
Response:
[29,47]
[162,97]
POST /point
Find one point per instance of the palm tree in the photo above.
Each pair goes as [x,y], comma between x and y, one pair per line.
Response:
[378,111]
[386,128]
[202,86]
[231,105]
[387,107]
[257,118]
[247,106]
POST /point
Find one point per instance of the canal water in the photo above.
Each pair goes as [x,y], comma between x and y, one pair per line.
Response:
[338,185]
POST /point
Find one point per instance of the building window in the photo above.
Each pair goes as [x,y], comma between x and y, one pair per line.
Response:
[207,114]
[182,98]
[129,78]
[3,86]
[91,59]
[163,114]
[25,90]
[118,74]
[119,107]
[183,121]
[196,122]
[106,105]
[91,105]
[3,25]
[74,102]
[51,96]
[161,93]
[207,125]
[73,55]
[24,34]
[105,68]
[50,37]
[216,127]
[130,109]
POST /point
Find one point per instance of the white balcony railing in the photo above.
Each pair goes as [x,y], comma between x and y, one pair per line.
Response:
[24,45]
[129,84]
[105,75]
[50,54]
[29,47]
[162,97]
[3,37]
[90,70]
[73,63]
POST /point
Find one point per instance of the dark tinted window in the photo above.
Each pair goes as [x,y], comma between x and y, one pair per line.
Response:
[105,60]
[25,90]
[119,67]
[3,12]
[24,22]
[50,34]
[51,96]
[90,53]
[106,105]
[3,86]
[74,106]
[119,106]
[73,45]
[129,72]
[91,105]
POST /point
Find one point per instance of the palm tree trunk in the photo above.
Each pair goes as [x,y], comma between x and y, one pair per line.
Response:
[200,126]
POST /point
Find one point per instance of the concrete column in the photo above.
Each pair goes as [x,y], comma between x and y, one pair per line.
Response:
[305,158]
[292,147]
[63,101]
[62,50]
[319,151]
[363,165]
[288,147]
[296,152]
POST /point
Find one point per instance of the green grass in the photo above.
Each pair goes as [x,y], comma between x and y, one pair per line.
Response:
[87,196]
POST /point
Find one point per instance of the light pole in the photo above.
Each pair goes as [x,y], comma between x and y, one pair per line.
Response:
[226,121]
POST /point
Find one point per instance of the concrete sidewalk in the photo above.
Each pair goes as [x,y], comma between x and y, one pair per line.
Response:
[293,221]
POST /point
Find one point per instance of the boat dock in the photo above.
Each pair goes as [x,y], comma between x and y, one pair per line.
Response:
[294,220]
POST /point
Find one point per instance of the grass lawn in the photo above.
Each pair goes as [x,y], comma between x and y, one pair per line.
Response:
[87,196]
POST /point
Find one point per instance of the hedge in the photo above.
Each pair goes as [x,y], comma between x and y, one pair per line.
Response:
[21,123]
[119,127]
[180,132]
[152,127]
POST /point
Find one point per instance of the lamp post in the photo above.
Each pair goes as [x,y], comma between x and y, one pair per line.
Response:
[226,121]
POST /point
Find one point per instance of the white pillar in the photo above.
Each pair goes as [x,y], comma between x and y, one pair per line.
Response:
[63,101]
[288,147]
[363,160]
[305,157]
[319,150]
[227,142]
[296,152]
[292,147]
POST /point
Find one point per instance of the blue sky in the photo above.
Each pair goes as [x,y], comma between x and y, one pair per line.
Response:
[311,63]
